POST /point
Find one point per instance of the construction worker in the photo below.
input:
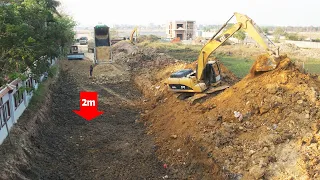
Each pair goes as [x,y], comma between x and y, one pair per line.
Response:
[91,69]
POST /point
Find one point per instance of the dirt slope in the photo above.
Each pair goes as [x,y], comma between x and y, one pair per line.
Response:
[276,138]
[266,127]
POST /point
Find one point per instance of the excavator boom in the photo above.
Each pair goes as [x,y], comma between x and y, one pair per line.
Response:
[211,46]
[132,34]
[243,23]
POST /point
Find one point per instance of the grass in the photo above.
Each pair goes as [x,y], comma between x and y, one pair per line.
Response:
[312,66]
[238,65]
[39,94]
[179,51]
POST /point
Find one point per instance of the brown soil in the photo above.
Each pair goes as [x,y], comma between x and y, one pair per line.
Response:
[61,145]
[276,137]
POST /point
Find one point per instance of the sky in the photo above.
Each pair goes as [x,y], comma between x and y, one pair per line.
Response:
[143,12]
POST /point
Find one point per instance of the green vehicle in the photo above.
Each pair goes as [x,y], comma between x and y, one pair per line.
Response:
[102,44]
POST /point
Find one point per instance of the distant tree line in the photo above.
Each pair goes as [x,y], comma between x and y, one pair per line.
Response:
[290,33]
[31,32]
[269,28]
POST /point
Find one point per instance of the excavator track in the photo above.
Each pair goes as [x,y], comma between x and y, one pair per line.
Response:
[213,91]
[193,98]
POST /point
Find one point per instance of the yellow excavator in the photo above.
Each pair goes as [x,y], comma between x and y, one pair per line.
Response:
[206,79]
[134,31]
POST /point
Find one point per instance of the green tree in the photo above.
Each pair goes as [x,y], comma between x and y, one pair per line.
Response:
[277,33]
[265,30]
[52,6]
[240,35]
[294,37]
[31,32]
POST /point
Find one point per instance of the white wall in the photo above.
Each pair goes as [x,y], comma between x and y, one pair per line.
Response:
[305,44]
[15,112]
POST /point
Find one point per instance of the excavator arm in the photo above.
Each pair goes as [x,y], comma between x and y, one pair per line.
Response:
[211,46]
[243,23]
[132,33]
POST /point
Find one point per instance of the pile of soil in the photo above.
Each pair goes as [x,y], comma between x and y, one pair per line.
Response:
[275,134]
[137,58]
[112,74]
[289,47]
[124,46]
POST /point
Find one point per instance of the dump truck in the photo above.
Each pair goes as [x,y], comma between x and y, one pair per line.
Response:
[91,46]
[102,49]
[74,53]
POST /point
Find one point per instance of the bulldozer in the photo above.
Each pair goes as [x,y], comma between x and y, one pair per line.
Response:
[206,79]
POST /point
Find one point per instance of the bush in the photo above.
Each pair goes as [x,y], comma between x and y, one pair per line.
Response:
[150,38]
[294,37]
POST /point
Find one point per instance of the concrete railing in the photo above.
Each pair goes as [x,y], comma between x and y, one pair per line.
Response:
[14,101]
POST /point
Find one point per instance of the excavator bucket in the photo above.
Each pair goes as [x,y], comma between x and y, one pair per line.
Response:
[265,62]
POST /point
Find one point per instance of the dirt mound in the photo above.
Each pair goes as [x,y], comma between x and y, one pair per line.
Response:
[288,47]
[124,46]
[262,127]
[111,73]
[136,58]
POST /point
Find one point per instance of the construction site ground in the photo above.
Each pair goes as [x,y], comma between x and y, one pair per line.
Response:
[263,127]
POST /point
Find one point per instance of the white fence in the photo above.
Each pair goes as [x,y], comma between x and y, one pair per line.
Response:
[13,102]
[305,44]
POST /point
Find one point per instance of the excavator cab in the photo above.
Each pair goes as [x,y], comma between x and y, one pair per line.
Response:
[183,80]
[211,73]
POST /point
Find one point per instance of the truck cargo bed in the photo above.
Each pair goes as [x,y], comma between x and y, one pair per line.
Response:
[76,56]
[103,53]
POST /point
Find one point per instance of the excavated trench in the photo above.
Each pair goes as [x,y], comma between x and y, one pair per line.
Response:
[200,141]
[54,143]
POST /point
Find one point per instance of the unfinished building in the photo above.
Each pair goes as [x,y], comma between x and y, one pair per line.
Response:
[185,30]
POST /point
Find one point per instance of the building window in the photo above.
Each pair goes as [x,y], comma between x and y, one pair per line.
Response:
[5,113]
[29,86]
[18,97]
[179,26]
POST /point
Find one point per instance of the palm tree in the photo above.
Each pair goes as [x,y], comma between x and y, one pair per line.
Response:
[52,6]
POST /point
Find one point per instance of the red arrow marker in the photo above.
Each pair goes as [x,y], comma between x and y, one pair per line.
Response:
[88,106]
